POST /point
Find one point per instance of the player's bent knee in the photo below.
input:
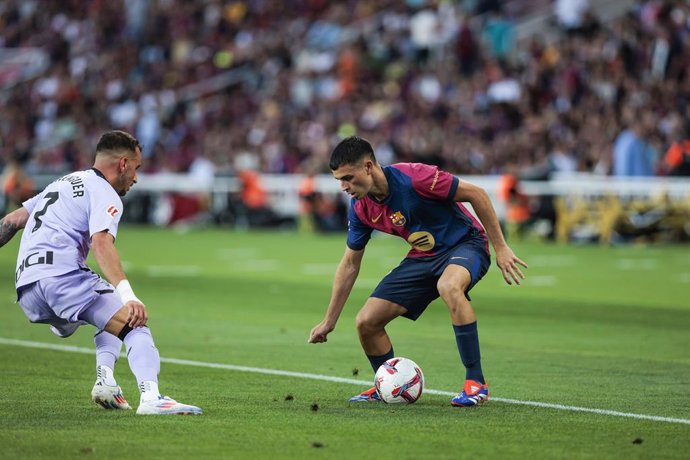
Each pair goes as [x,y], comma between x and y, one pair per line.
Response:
[443,286]
[361,322]
[450,287]
[117,322]
[376,314]
[366,323]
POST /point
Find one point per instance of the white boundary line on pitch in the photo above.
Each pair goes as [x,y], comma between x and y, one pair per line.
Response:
[328,378]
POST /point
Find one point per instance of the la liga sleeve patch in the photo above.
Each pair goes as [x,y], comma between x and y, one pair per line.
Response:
[112,210]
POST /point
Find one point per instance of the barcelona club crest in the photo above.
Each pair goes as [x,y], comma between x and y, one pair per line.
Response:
[398,219]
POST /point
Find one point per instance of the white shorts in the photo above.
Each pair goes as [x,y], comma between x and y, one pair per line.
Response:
[78,297]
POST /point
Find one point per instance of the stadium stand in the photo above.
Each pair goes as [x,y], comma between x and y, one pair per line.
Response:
[477,87]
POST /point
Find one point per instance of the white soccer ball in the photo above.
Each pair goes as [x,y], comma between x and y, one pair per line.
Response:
[399,380]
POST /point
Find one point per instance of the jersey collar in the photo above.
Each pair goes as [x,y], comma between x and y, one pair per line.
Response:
[98,173]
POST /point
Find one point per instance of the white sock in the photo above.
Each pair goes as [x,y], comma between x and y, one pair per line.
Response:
[142,355]
[107,349]
[149,390]
[105,375]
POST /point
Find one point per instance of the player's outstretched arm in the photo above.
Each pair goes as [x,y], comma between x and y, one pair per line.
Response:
[107,257]
[11,224]
[506,260]
[345,277]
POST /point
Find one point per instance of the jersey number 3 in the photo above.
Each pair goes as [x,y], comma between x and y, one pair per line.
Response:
[51,198]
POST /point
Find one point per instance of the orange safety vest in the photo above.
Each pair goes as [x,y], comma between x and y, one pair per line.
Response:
[675,153]
[253,194]
[517,203]
[306,194]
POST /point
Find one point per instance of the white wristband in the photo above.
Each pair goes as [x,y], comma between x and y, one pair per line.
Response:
[126,293]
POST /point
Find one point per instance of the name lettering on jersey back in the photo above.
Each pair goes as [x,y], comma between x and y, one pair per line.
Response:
[35,258]
[77,185]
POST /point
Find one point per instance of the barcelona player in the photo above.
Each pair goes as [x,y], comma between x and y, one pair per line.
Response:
[449,254]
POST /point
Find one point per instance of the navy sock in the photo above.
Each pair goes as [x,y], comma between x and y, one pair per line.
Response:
[467,339]
[376,361]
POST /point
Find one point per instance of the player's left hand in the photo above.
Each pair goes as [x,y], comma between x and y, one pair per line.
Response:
[509,263]
[137,314]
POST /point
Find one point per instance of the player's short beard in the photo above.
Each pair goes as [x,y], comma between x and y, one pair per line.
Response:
[122,190]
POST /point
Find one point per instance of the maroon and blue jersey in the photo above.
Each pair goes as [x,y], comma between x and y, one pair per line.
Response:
[420,208]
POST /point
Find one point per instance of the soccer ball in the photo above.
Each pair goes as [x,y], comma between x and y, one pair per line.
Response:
[399,380]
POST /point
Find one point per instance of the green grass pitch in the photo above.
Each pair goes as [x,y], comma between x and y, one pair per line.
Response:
[592,327]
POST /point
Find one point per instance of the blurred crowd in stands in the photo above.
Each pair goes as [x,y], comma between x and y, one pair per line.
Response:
[218,86]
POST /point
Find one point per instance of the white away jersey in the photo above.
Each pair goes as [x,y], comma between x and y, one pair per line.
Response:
[62,219]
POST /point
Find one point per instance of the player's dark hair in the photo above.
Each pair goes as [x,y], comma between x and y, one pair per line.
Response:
[350,151]
[114,141]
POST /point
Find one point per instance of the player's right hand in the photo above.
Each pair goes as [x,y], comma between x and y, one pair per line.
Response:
[320,332]
[508,262]
[137,314]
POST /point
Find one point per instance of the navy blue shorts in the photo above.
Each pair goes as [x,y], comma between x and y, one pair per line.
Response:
[412,284]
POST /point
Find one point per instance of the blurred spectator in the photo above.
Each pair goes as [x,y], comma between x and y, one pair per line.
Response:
[572,15]
[202,169]
[561,158]
[677,157]
[499,34]
[17,185]
[330,212]
[253,194]
[319,211]
[263,85]
[516,205]
[254,209]
[467,48]
[307,196]
[632,152]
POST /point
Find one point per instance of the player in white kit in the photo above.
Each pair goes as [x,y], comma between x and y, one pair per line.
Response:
[75,213]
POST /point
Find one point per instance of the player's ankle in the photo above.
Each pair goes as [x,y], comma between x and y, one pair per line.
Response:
[105,375]
[149,391]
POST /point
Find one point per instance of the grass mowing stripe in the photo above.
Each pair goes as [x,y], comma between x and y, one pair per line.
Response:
[259,370]
[173,271]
